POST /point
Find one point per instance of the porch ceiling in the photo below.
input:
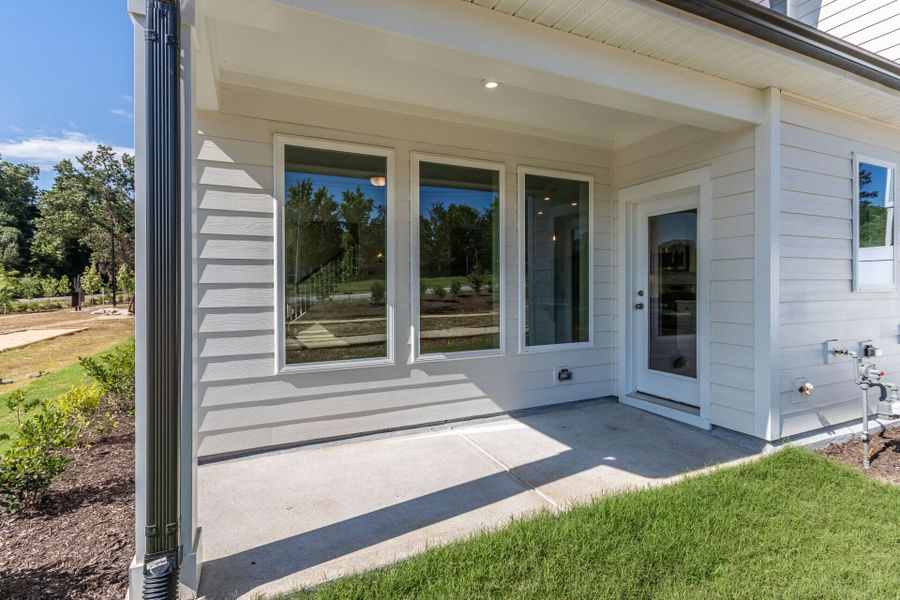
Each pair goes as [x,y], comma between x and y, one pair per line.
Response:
[304,48]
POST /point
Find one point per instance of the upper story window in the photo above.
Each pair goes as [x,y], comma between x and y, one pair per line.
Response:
[335,252]
[457,288]
[873,224]
[555,257]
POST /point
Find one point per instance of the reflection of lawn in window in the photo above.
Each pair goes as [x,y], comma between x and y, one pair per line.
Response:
[333,330]
[445,321]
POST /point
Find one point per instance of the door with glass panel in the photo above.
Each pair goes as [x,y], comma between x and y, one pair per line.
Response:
[665,298]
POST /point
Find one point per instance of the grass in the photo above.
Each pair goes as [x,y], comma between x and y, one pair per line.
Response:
[792,525]
[49,386]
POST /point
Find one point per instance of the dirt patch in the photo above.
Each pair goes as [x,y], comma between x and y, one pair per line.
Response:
[79,543]
[884,454]
[20,365]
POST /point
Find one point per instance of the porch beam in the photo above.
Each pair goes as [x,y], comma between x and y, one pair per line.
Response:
[530,56]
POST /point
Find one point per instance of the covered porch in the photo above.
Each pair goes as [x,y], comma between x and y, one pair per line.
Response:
[282,520]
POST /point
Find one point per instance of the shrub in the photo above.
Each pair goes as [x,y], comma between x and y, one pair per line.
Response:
[29,286]
[125,280]
[86,408]
[114,373]
[439,292]
[456,288]
[49,286]
[476,280]
[36,459]
[9,289]
[377,291]
[90,280]
[63,286]
[26,474]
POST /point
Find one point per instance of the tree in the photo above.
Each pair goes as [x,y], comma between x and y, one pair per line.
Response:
[125,280]
[90,207]
[9,287]
[18,208]
[90,280]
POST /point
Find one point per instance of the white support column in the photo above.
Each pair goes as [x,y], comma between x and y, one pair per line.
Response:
[767,207]
[191,562]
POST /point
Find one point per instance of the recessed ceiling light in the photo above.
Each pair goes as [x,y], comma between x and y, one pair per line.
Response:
[546,198]
[490,84]
[540,212]
[574,204]
[378,181]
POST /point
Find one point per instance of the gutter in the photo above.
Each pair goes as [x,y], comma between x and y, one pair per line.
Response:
[767,25]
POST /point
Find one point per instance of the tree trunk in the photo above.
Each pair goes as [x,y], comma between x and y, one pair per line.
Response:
[115,272]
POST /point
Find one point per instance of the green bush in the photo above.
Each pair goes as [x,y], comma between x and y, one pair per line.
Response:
[86,408]
[377,291]
[114,373]
[35,460]
[26,474]
[439,292]
[476,280]
[29,286]
[456,288]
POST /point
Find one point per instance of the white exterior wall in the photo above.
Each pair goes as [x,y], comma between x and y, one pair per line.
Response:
[243,403]
[816,301]
[731,161]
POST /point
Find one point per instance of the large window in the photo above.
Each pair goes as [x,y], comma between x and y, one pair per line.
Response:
[873,229]
[556,261]
[334,252]
[459,284]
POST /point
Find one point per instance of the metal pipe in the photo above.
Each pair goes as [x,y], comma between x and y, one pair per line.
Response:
[865,426]
[162,302]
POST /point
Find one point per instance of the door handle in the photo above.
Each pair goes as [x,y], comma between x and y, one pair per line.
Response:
[639,306]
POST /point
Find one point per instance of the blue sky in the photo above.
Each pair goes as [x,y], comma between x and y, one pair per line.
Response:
[67,80]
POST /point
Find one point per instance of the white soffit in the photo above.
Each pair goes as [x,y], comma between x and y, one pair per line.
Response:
[429,59]
[658,32]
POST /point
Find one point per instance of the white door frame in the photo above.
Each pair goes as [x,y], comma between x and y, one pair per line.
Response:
[628,198]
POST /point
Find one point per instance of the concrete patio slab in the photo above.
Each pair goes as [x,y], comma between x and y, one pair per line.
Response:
[278,521]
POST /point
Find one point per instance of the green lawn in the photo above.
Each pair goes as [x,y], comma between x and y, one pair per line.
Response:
[49,386]
[792,525]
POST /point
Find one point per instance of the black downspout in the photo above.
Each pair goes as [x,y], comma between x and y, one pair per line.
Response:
[162,352]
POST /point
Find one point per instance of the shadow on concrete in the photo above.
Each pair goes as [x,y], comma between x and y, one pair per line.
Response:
[595,433]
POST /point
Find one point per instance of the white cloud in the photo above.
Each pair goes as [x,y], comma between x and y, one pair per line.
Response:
[121,112]
[45,151]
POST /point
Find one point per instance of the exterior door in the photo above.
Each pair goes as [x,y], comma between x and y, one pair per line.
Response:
[665,298]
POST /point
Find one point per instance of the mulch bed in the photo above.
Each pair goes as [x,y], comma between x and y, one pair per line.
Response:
[78,544]
[884,454]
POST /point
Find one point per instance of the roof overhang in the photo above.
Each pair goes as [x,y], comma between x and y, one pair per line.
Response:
[770,26]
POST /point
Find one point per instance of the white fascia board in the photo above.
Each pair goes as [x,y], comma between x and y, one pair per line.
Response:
[646,85]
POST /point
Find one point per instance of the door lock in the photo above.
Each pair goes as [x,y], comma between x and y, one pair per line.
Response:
[640,292]
[639,306]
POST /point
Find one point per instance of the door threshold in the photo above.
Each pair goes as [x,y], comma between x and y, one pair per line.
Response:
[677,411]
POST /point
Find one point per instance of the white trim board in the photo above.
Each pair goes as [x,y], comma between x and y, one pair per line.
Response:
[522,171]
[416,158]
[627,199]
[279,142]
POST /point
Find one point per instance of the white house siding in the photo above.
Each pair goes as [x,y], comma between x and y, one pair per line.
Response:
[243,403]
[731,160]
[817,303]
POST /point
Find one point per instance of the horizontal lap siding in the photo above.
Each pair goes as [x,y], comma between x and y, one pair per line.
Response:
[817,301]
[731,160]
[242,403]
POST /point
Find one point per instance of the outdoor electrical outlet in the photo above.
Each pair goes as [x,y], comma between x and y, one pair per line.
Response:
[562,375]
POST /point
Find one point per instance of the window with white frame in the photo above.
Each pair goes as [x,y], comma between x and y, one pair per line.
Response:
[457,279]
[555,258]
[334,251]
[873,223]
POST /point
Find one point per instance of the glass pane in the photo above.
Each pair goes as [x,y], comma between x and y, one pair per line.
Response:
[335,223]
[876,203]
[556,261]
[672,293]
[459,240]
